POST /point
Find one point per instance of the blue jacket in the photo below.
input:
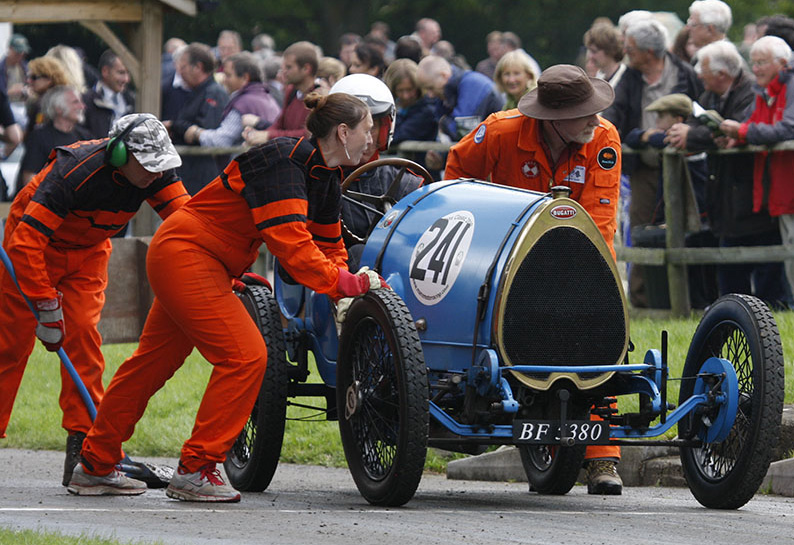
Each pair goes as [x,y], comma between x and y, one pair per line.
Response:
[416,122]
[467,94]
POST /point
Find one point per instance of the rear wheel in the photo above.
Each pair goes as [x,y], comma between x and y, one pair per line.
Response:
[742,330]
[382,391]
[253,459]
[552,469]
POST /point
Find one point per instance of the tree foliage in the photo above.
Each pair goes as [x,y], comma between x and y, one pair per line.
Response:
[551,30]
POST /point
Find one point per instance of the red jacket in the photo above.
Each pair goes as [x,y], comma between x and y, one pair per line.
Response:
[772,121]
[292,120]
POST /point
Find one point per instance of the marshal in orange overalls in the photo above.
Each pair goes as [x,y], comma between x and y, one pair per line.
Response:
[58,239]
[280,193]
[507,148]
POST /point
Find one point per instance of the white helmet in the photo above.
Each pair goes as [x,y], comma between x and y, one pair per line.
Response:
[376,95]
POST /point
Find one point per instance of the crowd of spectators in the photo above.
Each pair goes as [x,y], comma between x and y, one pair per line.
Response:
[225,95]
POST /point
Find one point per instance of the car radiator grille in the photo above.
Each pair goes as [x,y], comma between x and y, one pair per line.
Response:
[564,305]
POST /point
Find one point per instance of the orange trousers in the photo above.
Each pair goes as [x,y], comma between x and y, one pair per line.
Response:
[81,275]
[194,307]
[594,452]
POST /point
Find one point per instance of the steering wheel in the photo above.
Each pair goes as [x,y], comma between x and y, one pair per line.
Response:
[380,204]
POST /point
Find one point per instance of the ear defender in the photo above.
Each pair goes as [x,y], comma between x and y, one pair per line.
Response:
[116,149]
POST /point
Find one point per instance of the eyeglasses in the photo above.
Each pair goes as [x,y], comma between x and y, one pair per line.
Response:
[34,77]
[760,63]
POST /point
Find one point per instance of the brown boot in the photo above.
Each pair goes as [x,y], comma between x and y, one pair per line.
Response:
[603,478]
[74,444]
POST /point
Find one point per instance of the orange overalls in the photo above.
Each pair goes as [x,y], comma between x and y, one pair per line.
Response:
[280,193]
[507,148]
[57,237]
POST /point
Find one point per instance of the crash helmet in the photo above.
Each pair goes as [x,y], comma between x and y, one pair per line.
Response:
[377,96]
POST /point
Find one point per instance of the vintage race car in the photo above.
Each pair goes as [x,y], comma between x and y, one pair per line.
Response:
[506,324]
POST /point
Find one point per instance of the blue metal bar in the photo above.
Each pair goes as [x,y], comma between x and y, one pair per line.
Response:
[576,368]
[615,432]
[624,432]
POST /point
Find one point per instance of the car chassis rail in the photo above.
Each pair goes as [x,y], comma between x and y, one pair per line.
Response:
[644,378]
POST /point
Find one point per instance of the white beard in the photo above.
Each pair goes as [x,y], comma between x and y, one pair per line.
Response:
[584,137]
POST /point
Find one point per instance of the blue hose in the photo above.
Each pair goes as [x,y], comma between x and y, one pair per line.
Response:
[153,476]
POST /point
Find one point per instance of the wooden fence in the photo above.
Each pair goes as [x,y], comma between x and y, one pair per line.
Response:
[675,256]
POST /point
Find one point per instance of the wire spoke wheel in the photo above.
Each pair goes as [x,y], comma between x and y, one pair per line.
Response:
[253,459]
[382,387]
[741,330]
[550,469]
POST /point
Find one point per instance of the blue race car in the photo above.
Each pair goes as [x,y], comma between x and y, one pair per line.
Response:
[506,324]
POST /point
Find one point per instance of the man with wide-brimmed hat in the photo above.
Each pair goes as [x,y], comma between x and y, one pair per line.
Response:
[556,137]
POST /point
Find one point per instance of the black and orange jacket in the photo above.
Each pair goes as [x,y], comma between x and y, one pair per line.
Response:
[281,193]
[77,201]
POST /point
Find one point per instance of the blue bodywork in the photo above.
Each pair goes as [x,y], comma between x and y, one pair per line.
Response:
[443,249]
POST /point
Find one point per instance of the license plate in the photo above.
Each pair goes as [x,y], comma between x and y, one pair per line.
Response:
[547,432]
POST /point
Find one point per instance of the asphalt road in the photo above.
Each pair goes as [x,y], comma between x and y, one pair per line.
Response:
[310,505]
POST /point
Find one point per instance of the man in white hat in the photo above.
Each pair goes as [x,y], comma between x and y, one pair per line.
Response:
[57,238]
[556,137]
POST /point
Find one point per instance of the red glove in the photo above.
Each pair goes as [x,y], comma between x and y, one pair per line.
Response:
[50,329]
[238,285]
[249,279]
[253,278]
[352,285]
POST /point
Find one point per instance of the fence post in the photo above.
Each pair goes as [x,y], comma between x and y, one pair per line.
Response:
[673,178]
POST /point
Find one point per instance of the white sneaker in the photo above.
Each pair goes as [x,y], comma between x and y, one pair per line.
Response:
[114,483]
[206,484]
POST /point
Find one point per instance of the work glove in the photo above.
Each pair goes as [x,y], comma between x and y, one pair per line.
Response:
[354,285]
[50,329]
[249,279]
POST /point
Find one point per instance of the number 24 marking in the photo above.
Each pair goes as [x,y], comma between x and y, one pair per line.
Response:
[444,245]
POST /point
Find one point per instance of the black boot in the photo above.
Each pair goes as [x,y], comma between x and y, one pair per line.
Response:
[74,444]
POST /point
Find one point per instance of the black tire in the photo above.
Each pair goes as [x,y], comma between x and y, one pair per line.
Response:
[253,459]
[381,374]
[742,330]
[552,470]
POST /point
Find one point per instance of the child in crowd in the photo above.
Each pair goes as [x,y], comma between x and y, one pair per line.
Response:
[671,109]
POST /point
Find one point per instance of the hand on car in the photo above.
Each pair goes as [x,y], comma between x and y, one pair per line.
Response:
[355,285]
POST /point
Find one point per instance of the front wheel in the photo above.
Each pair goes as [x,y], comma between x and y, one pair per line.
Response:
[253,459]
[381,392]
[741,330]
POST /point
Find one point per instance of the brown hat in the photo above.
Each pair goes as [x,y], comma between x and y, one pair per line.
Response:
[677,104]
[565,91]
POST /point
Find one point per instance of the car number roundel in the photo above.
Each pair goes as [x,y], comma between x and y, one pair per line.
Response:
[438,256]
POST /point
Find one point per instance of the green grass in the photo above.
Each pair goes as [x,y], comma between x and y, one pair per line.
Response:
[30,537]
[35,423]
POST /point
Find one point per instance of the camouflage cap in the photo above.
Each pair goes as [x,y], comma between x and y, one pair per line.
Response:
[148,142]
